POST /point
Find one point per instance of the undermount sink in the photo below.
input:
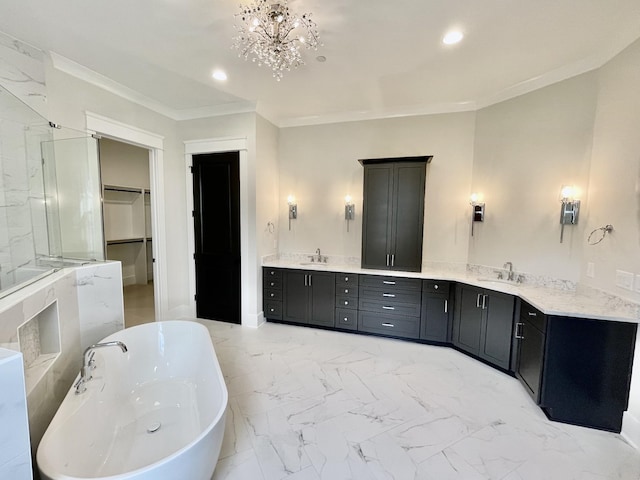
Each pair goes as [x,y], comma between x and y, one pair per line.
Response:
[313,264]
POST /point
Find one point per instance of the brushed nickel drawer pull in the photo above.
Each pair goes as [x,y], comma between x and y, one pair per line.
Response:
[446,306]
[390,325]
[388,283]
[532,314]
[389,295]
[388,308]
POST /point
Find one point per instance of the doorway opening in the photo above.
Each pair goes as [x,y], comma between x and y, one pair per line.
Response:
[216,213]
[128,225]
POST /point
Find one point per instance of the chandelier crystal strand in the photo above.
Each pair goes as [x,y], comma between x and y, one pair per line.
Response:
[271,35]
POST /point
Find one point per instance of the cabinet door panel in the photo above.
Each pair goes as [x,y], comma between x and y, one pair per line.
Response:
[496,335]
[408,216]
[530,357]
[322,302]
[376,215]
[435,317]
[468,322]
[296,297]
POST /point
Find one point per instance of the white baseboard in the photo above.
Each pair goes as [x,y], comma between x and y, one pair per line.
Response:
[631,430]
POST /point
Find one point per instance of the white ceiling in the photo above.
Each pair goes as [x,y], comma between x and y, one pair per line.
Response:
[383,58]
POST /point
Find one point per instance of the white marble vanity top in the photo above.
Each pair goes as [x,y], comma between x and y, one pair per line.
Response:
[550,296]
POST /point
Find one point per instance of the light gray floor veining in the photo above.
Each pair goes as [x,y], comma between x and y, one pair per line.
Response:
[314,404]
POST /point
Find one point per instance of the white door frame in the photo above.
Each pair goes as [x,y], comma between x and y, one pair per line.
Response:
[247,272]
[116,130]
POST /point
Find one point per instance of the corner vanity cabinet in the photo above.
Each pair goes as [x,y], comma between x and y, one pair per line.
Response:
[577,370]
[393,213]
[483,324]
[436,311]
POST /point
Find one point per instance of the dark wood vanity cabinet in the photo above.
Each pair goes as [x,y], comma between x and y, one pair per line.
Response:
[272,293]
[435,318]
[483,324]
[389,306]
[346,301]
[309,297]
[393,213]
[530,333]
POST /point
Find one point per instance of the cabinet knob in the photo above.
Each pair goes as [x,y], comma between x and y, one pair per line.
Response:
[346,302]
[345,319]
[271,309]
[435,287]
[272,295]
[346,279]
[272,284]
[346,290]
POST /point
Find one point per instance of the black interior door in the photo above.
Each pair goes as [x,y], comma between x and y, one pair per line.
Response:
[216,200]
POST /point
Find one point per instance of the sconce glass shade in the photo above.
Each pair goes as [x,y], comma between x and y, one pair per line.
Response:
[349,212]
[293,209]
[567,192]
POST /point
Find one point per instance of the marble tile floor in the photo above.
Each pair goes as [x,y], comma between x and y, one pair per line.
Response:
[138,304]
[308,404]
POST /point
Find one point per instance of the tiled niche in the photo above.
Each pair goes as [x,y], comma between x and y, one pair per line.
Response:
[39,342]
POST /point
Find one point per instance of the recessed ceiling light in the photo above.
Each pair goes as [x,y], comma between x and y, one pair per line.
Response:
[452,37]
[219,75]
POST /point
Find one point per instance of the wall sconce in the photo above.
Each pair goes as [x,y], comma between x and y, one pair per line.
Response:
[293,209]
[348,210]
[477,210]
[570,208]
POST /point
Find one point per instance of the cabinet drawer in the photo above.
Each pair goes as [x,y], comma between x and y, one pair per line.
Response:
[347,290]
[347,279]
[389,308]
[390,282]
[534,316]
[273,283]
[397,326]
[271,294]
[434,286]
[272,273]
[273,310]
[346,302]
[392,295]
[347,319]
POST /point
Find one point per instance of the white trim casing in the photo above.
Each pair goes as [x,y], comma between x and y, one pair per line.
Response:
[248,303]
[116,130]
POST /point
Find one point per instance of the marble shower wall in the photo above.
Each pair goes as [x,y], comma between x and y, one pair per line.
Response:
[23,223]
[88,303]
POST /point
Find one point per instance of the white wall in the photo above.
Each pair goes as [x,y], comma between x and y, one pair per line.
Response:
[525,150]
[614,194]
[319,166]
[122,164]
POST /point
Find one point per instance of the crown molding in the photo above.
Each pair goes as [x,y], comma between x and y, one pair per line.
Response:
[97,79]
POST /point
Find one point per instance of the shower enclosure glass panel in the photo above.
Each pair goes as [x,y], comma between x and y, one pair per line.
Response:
[50,205]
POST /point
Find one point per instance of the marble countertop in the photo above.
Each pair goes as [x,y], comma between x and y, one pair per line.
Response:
[551,296]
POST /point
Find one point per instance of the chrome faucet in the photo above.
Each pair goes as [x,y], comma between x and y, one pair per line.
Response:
[510,276]
[88,362]
[319,256]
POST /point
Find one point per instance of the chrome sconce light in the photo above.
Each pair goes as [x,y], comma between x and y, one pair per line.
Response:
[349,212]
[477,210]
[293,209]
[570,208]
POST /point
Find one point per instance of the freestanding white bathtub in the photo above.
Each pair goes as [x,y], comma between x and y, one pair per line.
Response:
[155,412]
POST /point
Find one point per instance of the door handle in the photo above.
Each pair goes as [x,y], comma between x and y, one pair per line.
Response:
[393,259]
[478,300]
[484,302]
[446,306]
[310,277]
[519,334]
[306,280]
[387,259]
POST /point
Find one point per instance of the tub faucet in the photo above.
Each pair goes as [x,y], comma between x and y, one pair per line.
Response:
[510,276]
[88,362]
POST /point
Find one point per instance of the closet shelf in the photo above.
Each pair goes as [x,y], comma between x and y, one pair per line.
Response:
[125,240]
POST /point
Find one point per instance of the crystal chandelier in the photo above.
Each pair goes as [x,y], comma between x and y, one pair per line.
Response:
[272,35]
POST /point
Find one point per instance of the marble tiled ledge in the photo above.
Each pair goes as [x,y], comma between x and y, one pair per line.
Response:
[551,296]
